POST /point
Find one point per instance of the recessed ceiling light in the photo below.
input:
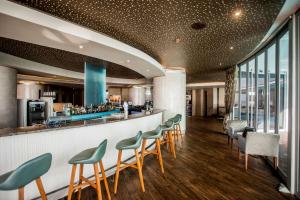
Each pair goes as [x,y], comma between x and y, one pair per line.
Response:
[237,13]
[220,64]
[177,40]
[80,46]
[148,70]
[231,48]
[128,61]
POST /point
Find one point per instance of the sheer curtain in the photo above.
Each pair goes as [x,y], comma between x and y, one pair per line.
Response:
[230,84]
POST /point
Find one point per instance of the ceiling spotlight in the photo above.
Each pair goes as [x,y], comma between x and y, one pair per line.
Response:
[80,46]
[128,61]
[237,13]
[177,40]
[220,64]
[231,48]
[198,26]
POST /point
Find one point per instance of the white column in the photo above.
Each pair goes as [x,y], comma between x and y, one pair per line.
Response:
[169,93]
[137,95]
[194,102]
[8,97]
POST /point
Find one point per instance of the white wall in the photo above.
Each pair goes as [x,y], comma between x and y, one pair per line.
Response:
[169,93]
[137,95]
[212,101]
[221,97]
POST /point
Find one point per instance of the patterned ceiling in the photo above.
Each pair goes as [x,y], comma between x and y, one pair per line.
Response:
[154,25]
[62,59]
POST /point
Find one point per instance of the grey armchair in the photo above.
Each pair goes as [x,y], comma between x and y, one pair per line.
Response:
[234,126]
[262,144]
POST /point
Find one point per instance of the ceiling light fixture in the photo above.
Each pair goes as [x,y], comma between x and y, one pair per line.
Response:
[148,70]
[237,13]
[128,61]
[198,26]
[80,46]
[231,48]
[177,40]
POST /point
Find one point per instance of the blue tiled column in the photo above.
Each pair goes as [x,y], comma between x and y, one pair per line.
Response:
[94,84]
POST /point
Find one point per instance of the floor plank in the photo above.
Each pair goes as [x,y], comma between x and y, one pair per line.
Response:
[205,168]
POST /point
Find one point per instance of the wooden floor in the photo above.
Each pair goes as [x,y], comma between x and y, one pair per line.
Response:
[205,168]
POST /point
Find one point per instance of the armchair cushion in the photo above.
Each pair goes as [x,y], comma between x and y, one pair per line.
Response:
[235,126]
[263,144]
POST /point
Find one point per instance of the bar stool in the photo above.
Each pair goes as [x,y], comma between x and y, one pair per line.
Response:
[91,156]
[167,129]
[131,143]
[177,128]
[26,173]
[156,135]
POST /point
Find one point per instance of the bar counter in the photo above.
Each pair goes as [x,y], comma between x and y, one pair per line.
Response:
[74,124]
[22,144]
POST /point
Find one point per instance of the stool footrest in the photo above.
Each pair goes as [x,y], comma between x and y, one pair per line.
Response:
[146,152]
[126,165]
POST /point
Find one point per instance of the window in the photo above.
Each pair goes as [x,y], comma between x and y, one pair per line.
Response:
[243,88]
[266,98]
[283,101]
[251,92]
[260,92]
[271,88]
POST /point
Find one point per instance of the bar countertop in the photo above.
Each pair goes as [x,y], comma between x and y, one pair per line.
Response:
[76,124]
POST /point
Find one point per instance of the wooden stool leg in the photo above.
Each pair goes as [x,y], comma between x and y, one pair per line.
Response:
[181,135]
[71,186]
[79,182]
[246,161]
[143,151]
[41,188]
[156,150]
[275,162]
[168,141]
[104,179]
[159,155]
[228,140]
[117,171]
[21,193]
[177,133]
[98,186]
[139,169]
[172,146]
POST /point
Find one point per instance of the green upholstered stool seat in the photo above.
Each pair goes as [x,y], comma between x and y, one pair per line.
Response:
[134,144]
[177,129]
[154,134]
[29,171]
[90,156]
[26,173]
[168,125]
[177,119]
[130,143]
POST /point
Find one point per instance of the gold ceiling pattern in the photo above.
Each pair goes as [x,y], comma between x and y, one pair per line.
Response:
[62,59]
[154,25]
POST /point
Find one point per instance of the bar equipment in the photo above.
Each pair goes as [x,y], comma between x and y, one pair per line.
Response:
[35,112]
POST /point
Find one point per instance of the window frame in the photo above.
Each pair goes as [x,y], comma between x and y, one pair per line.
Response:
[275,41]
